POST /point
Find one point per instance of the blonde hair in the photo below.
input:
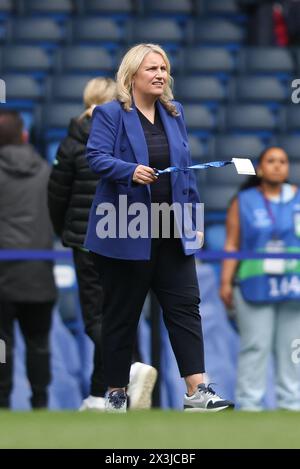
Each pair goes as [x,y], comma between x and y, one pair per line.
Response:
[129,66]
[97,91]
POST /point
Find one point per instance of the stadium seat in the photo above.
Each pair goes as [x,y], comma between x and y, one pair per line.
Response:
[222,176]
[217,7]
[292,118]
[266,60]
[58,115]
[218,197]
[168,7]
[86,59]
[208,60]
[197,149]
[22,87]
[156,30]
[6,7]
[249,117]
[199,117]
[111,7]
[194,88]
[217,31]
[294,176]
[96,30]
[291,144]
[68,87]
[26,59]
[260,89]
[48,7]
[33,30]
[226,147]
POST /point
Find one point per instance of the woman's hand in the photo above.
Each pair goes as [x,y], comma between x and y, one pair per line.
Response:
[144,175]
[226,294]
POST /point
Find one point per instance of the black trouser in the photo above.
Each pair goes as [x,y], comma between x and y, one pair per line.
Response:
[91,301]
[35,323]
[172,276]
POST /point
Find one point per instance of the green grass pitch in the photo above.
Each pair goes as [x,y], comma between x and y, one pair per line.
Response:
[149,429]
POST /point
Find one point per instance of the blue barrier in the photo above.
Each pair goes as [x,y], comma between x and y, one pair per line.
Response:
[13,255]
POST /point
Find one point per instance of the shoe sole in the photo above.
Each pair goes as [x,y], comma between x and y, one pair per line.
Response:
[143,400]
[198,409]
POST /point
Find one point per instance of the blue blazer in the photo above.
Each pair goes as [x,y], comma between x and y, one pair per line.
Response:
[115,148]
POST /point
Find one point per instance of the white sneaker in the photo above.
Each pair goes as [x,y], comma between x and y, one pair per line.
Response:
[141,384]
[93,403]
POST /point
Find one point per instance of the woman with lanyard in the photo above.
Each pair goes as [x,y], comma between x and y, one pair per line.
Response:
[265,217]
[142,130]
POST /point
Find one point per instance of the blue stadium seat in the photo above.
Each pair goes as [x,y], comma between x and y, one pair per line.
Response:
[199,117]
[217,31]
[6,7]
[197,148]
[260,89]
[168,7]
[37,30]
[226,147]
[250,117]
[48,7]
[297,57]
[294,175]
[217,7]
[292,118]
[22,87]
[86,59]
[97,30]
[26,59]
[222,176]
[68,87]
[218,197]
[157,30]
[111,7]
[208,60]
[56,116]
[291,144]
[266,60]
[195,88]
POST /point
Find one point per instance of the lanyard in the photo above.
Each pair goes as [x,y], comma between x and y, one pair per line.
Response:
[271,213]
[212,164]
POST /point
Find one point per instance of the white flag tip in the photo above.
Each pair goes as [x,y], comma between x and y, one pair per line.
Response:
[243,166]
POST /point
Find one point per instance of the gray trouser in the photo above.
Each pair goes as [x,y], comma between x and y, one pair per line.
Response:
[267,328]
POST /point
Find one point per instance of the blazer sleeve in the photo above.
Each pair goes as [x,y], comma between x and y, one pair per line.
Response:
[101,145]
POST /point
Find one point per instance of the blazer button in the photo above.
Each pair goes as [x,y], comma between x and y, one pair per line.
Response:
[185,171]
[123,148]
[185,191]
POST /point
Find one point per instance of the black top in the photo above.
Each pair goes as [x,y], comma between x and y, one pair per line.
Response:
[159,156]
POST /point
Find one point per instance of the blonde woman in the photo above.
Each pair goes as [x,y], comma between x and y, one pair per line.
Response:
[142,130]
[70,194]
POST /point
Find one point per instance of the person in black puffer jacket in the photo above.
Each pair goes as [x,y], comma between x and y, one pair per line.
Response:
[71,190]
[27,287]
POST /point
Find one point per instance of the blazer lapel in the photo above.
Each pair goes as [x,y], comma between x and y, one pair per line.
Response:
[174,138]
[136,136]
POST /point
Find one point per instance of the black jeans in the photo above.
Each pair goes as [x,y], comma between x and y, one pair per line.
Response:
[172,276]
[91,301]
[35,324]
